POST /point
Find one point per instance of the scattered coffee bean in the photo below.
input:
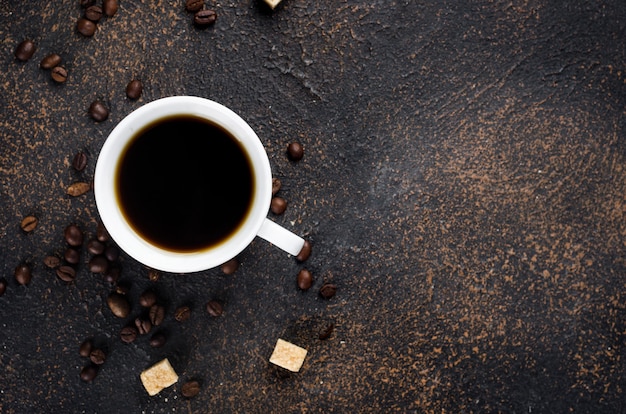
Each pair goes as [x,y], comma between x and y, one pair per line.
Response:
[278,205]
[214,308]
[94,13]
[79,162]
[3,286]
[87,3]
[305,252]
[128,334]
[194,5]
[154,275]
[73,235]
[134,89]
[101,233]
[23,274]
[112,275]
[98,264]
[156,314]
[112,253]
[190,389]
[204,18]
[230,266]
[122,288]
[118,304]
[66,273]
[305,279]
[147,299]
[85,348]
[59,74]
[326,331]
[276,184]
[328,290]
[78,189]
[25,50]
[95,246]
[295,151]
[29,223]
[86,27]
[158,340]
[97,356]
[50,61]
[89,373]
[71,255]
[143,326]
[182,314]
[110,7]
[51,262]
[98,111]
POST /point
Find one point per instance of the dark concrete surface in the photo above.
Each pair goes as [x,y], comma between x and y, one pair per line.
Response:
[463,184]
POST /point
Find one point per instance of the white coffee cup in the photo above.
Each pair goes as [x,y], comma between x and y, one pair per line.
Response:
[255,224]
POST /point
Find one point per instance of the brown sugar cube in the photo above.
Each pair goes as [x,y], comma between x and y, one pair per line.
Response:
[287,355]
[158,377]
[272,3]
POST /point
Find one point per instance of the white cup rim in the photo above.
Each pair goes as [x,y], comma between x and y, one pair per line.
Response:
[115,222]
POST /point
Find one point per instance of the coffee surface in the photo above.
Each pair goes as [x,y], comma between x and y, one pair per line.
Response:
[184,184]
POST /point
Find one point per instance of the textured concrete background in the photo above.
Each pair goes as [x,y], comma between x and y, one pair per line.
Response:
[463,184]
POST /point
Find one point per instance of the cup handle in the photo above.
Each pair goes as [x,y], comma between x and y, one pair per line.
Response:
[281,237]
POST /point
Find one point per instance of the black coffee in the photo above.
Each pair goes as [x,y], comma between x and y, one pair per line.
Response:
[184,184]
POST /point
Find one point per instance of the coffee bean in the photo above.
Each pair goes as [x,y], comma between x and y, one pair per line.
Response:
[118,304]
[295,151]
[98,264]
[110,7]
[78,189]
[305,279]
[89,373]
[112,253]
[154,275]
[305,252]
[79,162]
[190,389]
[86,27]
[182,314]
[128,334]
[230,266]
[51,262]
[23,274]
[101,233]
[71,255]
[328,290]
[59,74]
[134,89]
[276,184]
[95,246]
[156,314]
[98,111]
[87,3]
[97,356]
[122,288]
[29,223]
[147,299]
[66,273]
[204,18]
[112,275]
[278,205]
[50,61]
[85,348]
[25,50]
[73,235]
[214,308]
[158,340]
[194,5]
[3,286]
[326,331]
[143,326]
[94,13]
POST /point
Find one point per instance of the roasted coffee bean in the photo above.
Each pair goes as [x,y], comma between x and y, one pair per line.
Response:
[59,74]
[25,50]
[95,246]
[128,334]
[101,233]
[194,5]
[154,275]
[122,288]
[112,275]
[214,308]
[29,223]
[94,13]
[204,18]
[305,252]
[158,340]
[278,205]
[3,285]
[73,235]
[71,255]
[87,3]
[50,61]
[89,373]
[51,262]
[110,7]
[98,111]
[295,151]
[143,326]
[78,189]
[97,356]
[86,27]
[326,331]
[156,314]
[328,290]
[305,279]
[98,264]
[147,298]
[112,253]
[23,274]
[276,184]
[118,304]
[79,162]
[190,389]
[230,266]
[182,314]
[85,348]
[66,273]
[134,89]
